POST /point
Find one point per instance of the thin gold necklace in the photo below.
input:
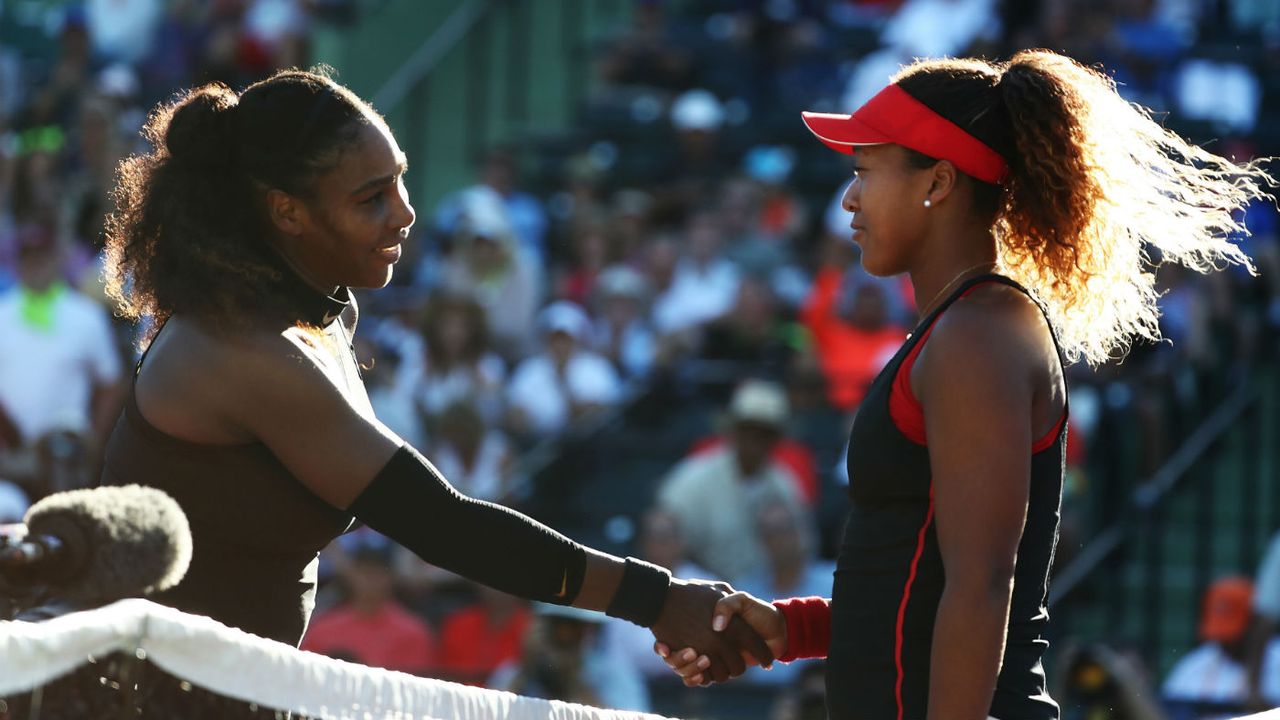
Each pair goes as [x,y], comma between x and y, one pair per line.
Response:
[942,293]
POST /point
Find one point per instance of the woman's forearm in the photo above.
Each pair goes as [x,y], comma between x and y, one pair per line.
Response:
[600,581]
[968,647]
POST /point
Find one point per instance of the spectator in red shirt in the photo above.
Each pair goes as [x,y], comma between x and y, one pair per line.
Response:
[372,628]
[476,640]
[854,331]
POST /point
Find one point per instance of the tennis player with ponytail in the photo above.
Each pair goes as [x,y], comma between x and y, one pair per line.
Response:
[1022,198]
[238,235]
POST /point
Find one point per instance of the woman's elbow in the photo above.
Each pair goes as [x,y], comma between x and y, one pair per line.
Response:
[988,581]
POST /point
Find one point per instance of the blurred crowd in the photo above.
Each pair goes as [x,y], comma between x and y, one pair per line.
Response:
[697,235]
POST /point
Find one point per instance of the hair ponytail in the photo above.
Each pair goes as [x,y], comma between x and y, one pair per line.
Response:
[1093,183]
[188,233]
[201,131]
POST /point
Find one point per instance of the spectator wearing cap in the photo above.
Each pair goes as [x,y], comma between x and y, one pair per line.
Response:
[563,382]
[622,333]
[499,173]
[371,627]
[698,159]
[718,494]
[782,215]
[488,264]
[59,363]
[1211,679]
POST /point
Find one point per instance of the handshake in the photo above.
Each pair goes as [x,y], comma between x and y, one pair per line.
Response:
[709,633]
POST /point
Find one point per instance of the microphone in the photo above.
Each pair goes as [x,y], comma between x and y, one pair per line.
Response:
[99,545]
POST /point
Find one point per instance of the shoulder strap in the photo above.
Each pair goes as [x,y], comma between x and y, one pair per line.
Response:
[973,282]
[137,368]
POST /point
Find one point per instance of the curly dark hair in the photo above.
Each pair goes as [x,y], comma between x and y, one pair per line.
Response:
[189,233]
[1093,182]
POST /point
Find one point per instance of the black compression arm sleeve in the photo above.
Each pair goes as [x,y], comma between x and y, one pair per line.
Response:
[411,503]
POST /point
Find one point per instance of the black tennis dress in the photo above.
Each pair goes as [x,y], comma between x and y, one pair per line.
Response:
[889,575]
[256,530]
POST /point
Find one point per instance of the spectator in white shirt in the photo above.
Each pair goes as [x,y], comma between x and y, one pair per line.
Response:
[703,285]
[456,362]
[622,334]
[59,362]
[718,494]
[490,265]
[563,382]
[476,459]
[1211,679]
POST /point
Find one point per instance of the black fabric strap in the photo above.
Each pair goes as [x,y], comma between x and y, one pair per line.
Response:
[641,594]
[411,503]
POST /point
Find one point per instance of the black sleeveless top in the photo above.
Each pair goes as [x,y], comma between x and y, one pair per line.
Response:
[256,531]
[889,575]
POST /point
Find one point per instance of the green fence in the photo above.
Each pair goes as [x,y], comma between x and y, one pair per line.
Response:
[454,78]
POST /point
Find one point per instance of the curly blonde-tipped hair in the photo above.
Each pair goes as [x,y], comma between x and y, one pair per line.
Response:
[1094,183]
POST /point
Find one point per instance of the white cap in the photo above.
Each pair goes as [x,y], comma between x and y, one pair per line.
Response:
[566,317]
[697,110]
[482,213]
[759,401]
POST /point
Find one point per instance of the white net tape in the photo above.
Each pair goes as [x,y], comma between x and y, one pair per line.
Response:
[255,670]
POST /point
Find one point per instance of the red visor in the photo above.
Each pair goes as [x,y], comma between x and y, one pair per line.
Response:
[893,116]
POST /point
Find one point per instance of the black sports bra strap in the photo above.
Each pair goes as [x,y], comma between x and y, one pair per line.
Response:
[137,368]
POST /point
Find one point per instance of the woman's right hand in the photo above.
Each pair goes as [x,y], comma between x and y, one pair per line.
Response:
[763,617]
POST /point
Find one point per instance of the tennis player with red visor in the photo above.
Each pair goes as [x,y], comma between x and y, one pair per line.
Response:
[1019,197]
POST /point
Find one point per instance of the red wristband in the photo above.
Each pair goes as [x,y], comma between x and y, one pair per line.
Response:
[808,627]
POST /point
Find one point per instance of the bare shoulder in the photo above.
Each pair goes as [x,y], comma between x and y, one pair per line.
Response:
[992,320]
[222,373]
[995,332]
[271,362]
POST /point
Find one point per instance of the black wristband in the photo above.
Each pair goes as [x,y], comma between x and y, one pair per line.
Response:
[641,594]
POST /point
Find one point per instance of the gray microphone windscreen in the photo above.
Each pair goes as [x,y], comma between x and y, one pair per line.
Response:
[118,542]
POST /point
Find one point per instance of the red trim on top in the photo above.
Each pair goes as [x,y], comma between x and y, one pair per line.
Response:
[893,115]
[1050,438]
[808,622]
[904,408]
[908,414]
[906,597]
